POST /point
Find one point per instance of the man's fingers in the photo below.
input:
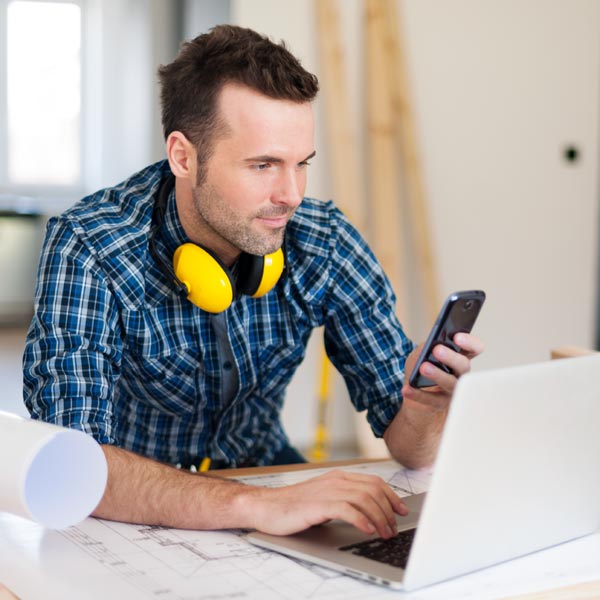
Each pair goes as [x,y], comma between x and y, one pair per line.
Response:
[346,511]
[380,488]
[458,363]
[444,383]
[372,496]
[378,516]
[471,346]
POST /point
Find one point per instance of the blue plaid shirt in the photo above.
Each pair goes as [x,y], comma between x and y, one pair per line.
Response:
[116,351]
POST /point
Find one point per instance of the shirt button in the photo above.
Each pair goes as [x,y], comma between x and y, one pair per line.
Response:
[227,365]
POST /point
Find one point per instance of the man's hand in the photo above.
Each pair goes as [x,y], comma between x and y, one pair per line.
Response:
[364,501]
[413,436]
[437,398]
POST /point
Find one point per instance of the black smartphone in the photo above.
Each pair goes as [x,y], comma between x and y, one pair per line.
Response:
[458,315]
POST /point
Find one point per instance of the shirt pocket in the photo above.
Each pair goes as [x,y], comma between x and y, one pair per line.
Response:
[169,382]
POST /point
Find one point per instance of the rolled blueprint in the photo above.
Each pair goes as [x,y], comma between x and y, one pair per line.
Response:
[50,474]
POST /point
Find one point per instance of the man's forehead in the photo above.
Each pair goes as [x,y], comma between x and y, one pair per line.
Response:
[258,125]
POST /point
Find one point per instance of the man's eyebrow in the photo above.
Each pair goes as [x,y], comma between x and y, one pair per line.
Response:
[274,159]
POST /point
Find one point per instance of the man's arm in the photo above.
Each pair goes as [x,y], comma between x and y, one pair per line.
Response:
[140,490]
[414,435]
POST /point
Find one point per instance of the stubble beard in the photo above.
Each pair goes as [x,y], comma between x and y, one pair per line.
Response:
[212,213]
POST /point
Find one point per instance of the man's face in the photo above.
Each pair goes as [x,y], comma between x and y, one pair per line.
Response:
[256,176]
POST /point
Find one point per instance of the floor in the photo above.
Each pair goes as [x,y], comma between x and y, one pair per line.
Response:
[12,341]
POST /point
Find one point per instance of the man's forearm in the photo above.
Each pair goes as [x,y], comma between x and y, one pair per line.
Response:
[414,435]
[140,490]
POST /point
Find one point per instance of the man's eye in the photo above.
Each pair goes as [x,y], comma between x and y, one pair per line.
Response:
[261,166]
[303,164]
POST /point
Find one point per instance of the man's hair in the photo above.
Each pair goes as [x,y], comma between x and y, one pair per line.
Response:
[190,85]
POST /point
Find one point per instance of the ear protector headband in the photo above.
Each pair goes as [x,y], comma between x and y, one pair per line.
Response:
[203,277]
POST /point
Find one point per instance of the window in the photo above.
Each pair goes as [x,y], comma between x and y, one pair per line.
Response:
[41,110]
[78,97]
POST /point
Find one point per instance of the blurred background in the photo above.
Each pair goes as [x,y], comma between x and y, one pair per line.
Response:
[504,104]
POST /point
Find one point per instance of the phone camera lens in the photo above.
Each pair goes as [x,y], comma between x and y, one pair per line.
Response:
[468,305]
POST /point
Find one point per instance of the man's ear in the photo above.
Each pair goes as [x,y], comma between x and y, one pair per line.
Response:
[181,154]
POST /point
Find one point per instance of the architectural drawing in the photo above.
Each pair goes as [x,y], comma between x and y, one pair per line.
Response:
[103,559]
[177,564]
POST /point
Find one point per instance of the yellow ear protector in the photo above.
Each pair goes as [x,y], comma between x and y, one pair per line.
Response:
[201,275]
[211,286]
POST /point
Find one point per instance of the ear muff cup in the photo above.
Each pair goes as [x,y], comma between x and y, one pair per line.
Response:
[209,283]
[258,275]
[250,271]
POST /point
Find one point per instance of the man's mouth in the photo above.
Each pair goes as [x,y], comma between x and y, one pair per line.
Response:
[275,220]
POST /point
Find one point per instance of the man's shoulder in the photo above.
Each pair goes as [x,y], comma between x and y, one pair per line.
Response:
[316,214]
[318,225]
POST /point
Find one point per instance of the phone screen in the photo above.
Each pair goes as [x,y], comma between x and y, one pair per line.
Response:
[458,315]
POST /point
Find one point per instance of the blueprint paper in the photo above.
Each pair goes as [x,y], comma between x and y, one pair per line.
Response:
[100,559]
[52,475]
[404,482]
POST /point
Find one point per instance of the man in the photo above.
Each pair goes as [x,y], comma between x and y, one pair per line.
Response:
[117,349]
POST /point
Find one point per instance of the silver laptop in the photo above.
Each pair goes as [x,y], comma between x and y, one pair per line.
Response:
[518,470]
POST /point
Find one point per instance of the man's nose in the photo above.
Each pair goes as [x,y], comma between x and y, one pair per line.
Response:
[290,189]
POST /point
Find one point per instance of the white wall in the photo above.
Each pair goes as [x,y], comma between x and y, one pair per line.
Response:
[499,89]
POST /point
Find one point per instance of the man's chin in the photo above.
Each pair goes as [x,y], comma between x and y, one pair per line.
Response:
[267,250]
[267,245]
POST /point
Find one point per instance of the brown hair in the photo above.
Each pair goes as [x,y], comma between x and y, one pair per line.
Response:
[190,85]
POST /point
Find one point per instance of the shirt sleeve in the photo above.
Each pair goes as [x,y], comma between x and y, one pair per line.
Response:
[363,337]
[73,349]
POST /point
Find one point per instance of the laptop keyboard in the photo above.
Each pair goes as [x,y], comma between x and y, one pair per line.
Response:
[393,551]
